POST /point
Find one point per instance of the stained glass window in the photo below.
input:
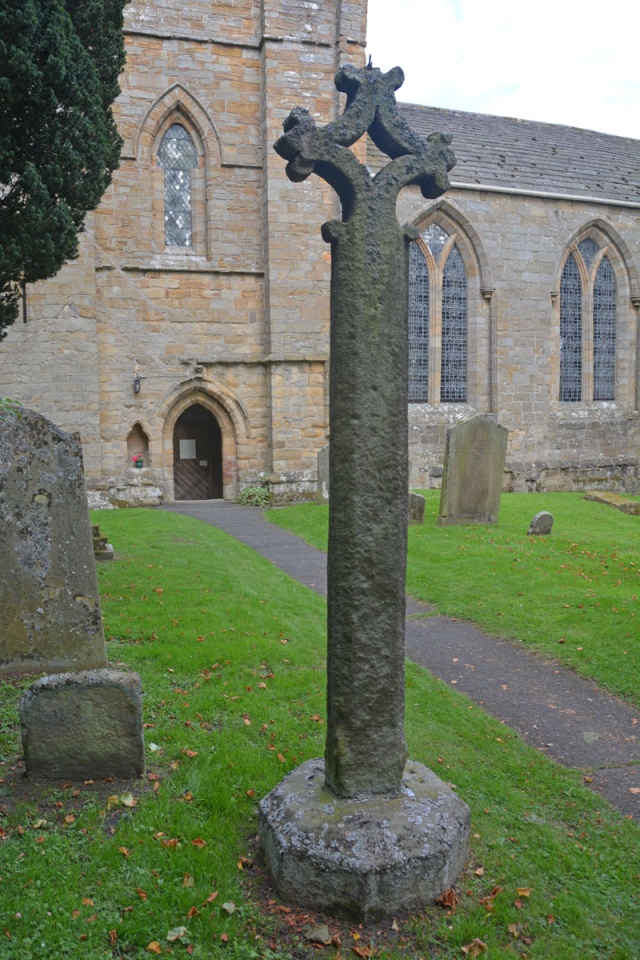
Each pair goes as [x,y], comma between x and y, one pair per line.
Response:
[453,378]
[570,332]
[418,325]
[177,156]
[604,332]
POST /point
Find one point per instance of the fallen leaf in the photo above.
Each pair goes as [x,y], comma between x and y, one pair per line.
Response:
[75,914]
[127,800]
[364,951]
[229,908]
[518,904]
[87,902]
[141,893]
[475,948]
[524,892]
[176,934]
[281,758]
[251,793]
[199,843]
[212,896]
[113,937]
[187,880]
[394,925]
[244,862]
[514,929]
[193,912]
[124,851]
[170,843]
[224,937]
[448,899]
[634,789]
[154,947]
[479,872]
[189,753]
[69,818]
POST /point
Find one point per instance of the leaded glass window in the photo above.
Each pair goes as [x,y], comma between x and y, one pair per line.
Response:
[177,156]
[418,325]
[589,251]
[604,332]
[570,332]
[453,378]
[435,237]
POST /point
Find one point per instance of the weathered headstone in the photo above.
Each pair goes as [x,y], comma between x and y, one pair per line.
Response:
[83,726]
[541,524]
[416,508]
[323,475]
[315,822]
[48,587]
[631,507]
[473,472]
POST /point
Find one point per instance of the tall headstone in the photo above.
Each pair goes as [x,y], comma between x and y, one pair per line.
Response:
[473,472]
[48,587]
[316,832]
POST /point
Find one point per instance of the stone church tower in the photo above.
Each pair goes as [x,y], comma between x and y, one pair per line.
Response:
[192,331]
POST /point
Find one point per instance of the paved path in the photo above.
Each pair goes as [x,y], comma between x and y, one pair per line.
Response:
[565,716]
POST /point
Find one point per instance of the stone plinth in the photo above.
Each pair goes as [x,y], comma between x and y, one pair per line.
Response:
[473,472]
[365,857]
[48,587]
[83,726]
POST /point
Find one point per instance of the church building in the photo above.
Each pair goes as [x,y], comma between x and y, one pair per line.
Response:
[189,342]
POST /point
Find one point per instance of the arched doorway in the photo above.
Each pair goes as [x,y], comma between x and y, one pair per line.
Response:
[197,455]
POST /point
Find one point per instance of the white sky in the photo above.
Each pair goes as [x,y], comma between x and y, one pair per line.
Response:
[572,62]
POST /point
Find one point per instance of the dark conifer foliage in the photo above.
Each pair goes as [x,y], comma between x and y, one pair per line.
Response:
[59,67]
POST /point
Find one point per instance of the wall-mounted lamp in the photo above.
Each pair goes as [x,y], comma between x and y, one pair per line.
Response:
[137,378]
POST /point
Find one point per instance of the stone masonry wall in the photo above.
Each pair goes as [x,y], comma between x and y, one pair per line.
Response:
[517,247]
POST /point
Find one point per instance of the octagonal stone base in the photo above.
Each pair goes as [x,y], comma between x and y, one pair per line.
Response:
[363,858]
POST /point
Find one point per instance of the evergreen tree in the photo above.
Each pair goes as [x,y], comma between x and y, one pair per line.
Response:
[59,67]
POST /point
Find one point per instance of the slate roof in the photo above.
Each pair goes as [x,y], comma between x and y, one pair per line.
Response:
[527,155]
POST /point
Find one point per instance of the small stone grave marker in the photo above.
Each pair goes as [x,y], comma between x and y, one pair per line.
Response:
[473,472]
[416,509]
[541,524]
[83,726]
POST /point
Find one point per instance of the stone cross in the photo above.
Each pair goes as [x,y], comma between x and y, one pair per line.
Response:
[365,751]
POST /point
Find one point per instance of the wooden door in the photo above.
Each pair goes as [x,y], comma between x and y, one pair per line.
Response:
[197,455]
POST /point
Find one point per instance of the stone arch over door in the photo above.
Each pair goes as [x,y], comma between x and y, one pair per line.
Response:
[197,406]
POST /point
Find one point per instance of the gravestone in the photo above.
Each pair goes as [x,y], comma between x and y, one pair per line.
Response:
[541,524]
[473,472]
[48,587]
[318,826]
[83,726]
[416,508]
[323,475]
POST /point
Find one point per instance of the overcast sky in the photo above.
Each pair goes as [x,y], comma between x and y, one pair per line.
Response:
[559,61]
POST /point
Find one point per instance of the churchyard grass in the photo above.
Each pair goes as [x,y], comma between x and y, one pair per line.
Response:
[231,654]
[572,595]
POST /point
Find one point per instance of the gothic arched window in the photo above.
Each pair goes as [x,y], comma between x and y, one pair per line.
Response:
[437,319]
[588,321]
[177,156]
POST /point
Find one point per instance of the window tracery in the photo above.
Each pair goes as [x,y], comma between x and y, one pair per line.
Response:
[437,318]
[588,319]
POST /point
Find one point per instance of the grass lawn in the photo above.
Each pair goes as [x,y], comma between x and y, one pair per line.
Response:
[231,654]
[572,595]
